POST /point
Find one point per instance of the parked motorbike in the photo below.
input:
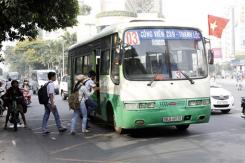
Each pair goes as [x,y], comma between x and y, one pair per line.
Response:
[243,106]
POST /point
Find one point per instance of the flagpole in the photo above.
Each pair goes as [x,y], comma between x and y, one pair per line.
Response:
[209,35]
[233,39]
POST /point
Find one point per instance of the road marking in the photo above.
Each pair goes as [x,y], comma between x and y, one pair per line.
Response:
[40,132]
[88,161]
[39,128]
[13,142]
[53,138]
[100,135]
[67,148]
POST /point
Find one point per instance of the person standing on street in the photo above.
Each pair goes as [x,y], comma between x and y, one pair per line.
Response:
[83,96]
[91,86]
[51,107]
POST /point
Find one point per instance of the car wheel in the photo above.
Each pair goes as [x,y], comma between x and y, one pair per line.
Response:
[182,127]
[225,111]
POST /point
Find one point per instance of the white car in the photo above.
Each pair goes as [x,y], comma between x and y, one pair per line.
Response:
[64,87]
[221,99]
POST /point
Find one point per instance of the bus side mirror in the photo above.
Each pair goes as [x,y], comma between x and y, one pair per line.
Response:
[210,57]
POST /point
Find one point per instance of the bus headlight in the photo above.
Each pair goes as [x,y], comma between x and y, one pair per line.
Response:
[134,106]
[206,102]
[198,102]
[147,105]
[131,106]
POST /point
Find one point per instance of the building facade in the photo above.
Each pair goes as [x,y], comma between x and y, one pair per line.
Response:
[144,6]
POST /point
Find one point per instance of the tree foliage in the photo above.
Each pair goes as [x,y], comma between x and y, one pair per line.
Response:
[38,54]
[20,19]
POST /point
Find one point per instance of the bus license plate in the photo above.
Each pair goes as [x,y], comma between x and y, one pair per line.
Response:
[173,119]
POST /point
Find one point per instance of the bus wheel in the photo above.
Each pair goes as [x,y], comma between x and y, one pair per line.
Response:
[112,119]
[118,130]
[182,127]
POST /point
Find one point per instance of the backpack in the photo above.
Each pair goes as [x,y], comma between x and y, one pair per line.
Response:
[43,94]
[73,99]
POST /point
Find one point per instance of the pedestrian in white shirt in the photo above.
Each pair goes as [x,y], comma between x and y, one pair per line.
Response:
[51,106]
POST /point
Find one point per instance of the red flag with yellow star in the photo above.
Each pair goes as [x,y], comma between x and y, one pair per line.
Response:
[216,25]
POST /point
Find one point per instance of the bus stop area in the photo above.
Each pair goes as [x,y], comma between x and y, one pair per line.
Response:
[221,140]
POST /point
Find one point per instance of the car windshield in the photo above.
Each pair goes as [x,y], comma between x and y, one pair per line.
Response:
[164,53]
[42,76]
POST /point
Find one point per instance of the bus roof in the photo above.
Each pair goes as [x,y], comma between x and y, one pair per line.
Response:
[123,26]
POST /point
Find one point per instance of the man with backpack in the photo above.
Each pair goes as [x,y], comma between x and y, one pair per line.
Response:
[47,98]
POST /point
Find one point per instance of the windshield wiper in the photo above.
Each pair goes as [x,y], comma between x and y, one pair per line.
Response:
[152,80]
[187,77]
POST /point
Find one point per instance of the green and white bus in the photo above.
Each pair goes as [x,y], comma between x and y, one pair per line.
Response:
[149,74]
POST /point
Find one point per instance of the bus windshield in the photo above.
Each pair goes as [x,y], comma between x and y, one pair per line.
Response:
[166,54]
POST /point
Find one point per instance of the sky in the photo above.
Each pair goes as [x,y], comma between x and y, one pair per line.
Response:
[194,12]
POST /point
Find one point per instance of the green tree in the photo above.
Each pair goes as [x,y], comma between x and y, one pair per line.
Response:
[69,39]
[37,54]
[20,19]
[25,55]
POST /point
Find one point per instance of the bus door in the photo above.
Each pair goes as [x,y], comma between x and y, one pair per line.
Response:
[97,69]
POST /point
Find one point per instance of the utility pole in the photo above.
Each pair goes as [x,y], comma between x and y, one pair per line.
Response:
[233,39]
[63,58]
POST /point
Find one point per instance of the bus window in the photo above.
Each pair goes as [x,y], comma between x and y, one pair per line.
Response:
[88,63]
[105,62]
[115,60]
[78,65]
[85,64]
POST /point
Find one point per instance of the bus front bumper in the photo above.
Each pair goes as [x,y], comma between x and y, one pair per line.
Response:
[165,117]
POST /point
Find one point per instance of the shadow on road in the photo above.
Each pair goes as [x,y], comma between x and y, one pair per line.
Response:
[157,132]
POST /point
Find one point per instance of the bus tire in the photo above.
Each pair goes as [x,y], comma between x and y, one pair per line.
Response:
[112,119]
[117,129]
[182,127]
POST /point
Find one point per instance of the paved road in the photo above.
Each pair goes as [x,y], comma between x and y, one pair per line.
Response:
[220,141]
